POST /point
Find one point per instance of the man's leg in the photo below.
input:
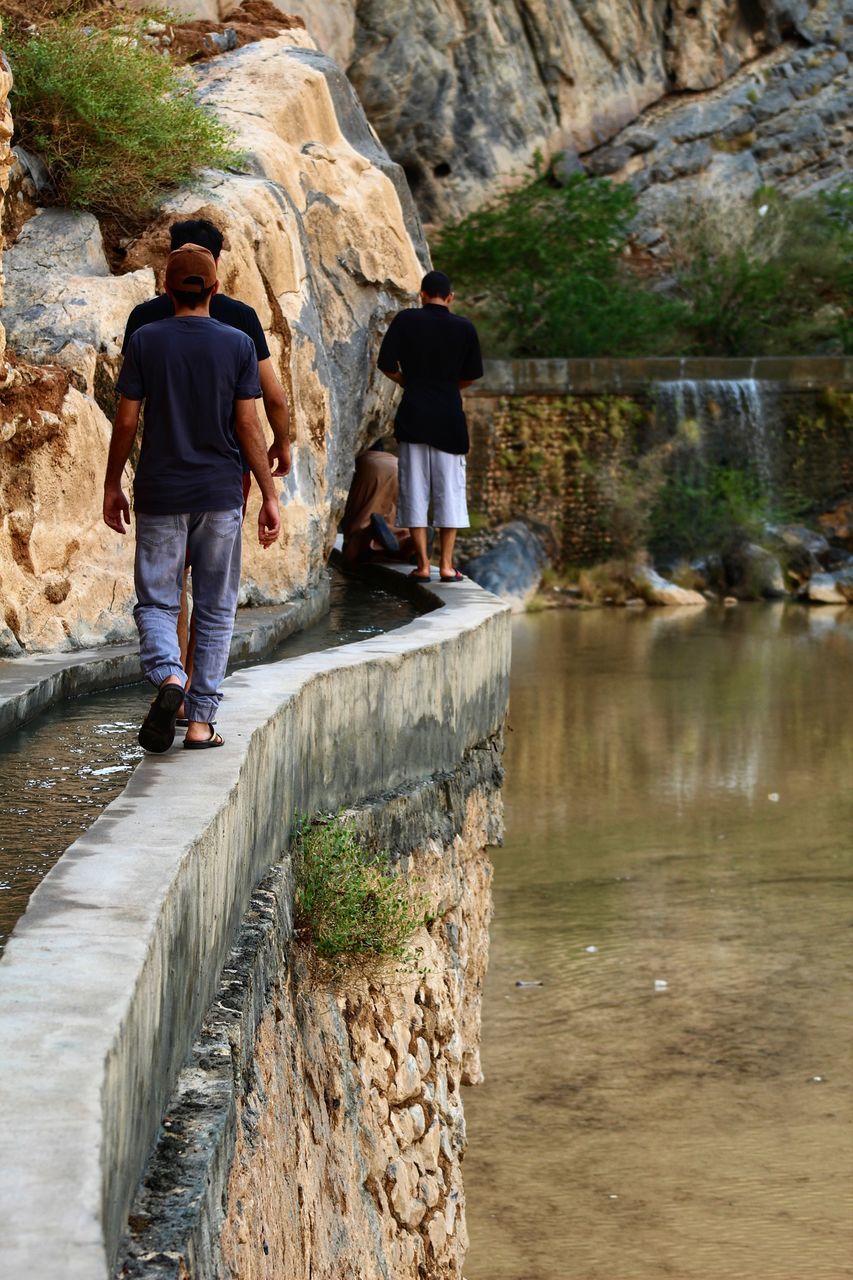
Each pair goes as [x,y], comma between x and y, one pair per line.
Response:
[215,546]
[450,505]
[413,503]
[158,575]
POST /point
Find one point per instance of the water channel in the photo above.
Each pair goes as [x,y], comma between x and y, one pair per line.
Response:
[58,772]
[676,1098]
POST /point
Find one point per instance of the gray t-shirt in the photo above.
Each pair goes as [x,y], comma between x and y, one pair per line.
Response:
[189,370]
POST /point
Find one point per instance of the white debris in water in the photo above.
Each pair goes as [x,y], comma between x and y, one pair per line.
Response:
[612,1196]
[661,984]
[774,796]
[592,950]
[817,1080]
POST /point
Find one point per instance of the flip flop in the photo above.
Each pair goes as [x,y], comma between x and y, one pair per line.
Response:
[206,744]
[455,576]
[420,577]
[157,732]
[382,532]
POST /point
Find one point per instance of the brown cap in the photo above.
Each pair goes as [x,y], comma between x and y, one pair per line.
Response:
[191,269]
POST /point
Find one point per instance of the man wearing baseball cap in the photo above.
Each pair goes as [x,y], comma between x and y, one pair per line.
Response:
[198,379]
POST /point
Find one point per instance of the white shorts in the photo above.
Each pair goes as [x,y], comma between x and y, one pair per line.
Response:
[431,473]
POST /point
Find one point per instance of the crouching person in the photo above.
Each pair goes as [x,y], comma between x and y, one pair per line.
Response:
[199,381]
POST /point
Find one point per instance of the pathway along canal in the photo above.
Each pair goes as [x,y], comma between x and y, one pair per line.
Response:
[62,769]
[675,1099]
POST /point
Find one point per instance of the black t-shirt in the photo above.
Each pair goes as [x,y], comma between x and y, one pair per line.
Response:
[189,370]
[227,310]
[435,351]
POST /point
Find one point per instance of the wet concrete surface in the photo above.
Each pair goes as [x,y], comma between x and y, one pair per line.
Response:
[58,772]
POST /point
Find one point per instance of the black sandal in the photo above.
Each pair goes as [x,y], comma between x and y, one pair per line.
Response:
[205,744]
[157,732]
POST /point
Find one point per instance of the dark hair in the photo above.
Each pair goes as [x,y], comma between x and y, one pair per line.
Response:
[436,284]
[192,300]
[196,231]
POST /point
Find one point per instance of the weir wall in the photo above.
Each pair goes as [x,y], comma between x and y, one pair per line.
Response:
[559,441]
[121,954]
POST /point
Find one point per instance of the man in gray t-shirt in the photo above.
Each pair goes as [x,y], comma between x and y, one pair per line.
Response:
[198,379]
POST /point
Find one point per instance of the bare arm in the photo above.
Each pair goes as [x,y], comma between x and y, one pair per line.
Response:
[466,382]
[278,414]
[248,430]
[116,505]
[395,377]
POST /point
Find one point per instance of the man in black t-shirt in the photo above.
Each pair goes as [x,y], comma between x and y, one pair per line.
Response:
[237,315]
[432,354]
[199,381]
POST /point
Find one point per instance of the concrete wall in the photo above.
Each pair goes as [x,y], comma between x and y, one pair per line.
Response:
[106,978]
[558,441]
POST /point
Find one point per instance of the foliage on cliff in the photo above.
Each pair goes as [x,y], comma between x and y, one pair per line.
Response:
[541,271]
[113,121]
[544,270]
[347,906]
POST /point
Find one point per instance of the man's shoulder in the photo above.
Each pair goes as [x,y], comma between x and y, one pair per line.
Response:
[232,311]
[462,323]
[153,309]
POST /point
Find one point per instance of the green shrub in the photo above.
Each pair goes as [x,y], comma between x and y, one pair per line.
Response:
[541,271]
[769,277]
[713,509]
[347,907]
[113,121]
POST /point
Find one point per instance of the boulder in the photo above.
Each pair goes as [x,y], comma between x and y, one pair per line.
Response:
[802,551]
[654,589]
[831,588]
[753,573]
[512,567]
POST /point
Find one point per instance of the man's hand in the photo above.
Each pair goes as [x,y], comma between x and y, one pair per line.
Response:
[116,509]
[279,456]
[269,522]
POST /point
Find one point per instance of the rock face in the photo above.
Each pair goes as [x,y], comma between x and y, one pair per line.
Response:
[784,122]
[322,239]
[463,94]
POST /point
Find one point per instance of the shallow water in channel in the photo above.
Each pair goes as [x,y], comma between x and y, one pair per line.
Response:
[59,771]
[676,1098]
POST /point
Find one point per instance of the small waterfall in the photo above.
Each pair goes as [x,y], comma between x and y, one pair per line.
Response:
[732,420]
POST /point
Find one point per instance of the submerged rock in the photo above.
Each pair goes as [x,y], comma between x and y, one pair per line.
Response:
[512,567]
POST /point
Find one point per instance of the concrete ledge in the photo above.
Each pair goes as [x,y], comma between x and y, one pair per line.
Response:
[31,684]
[107,976]
[585,377]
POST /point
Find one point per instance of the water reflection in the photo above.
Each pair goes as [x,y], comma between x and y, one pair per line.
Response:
[677,873]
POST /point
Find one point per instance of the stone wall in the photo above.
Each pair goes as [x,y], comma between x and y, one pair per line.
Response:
[555,441]
[108,976]
[322,239]
[325,1118]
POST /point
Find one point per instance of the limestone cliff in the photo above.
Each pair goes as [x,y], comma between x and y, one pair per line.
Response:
[322,239]
[464,93]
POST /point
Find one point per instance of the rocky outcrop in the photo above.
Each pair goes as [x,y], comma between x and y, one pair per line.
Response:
[783,122]
[322,239]
[464,94]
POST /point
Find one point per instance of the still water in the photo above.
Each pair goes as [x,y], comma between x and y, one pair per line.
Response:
[676,1098]
[64,767]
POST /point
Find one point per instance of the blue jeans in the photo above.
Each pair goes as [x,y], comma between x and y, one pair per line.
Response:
[210,541]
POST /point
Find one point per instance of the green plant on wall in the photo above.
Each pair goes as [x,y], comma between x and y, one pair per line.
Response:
[115,123]
[348,908]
